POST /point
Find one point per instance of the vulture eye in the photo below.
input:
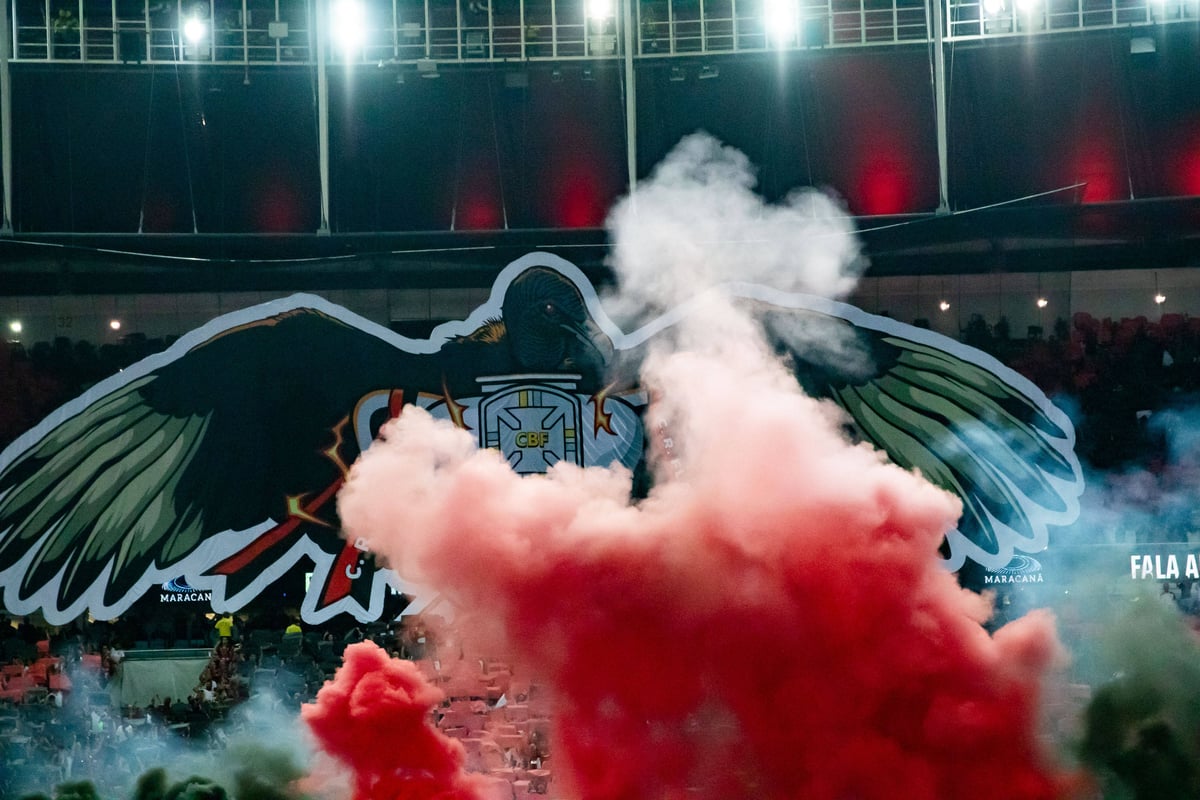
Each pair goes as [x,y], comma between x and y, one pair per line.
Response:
[549,309]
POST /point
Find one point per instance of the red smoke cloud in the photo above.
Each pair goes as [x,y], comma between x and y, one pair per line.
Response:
[771,622]
[375,717]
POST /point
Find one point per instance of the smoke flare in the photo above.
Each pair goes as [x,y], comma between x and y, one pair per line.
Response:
[771,624]
[375,717]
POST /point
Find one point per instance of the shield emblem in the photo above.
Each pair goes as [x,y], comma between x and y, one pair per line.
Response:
[535,425]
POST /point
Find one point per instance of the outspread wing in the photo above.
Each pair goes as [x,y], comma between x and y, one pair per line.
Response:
[967,423]
[209,437]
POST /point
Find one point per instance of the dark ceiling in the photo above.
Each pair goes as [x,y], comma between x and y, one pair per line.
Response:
[1064,152]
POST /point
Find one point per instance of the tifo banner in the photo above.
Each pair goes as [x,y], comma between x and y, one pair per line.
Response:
[215,464]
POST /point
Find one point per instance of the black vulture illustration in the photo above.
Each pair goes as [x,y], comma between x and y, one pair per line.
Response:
[219,458]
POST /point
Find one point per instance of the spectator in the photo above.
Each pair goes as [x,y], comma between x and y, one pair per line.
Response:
[1189,601]
[224,627]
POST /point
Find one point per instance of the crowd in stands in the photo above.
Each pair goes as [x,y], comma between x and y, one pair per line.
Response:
[61,719]
[47,374]
[60,712]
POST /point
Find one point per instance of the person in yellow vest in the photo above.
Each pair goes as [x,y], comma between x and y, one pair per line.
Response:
[224,626]
[293,627]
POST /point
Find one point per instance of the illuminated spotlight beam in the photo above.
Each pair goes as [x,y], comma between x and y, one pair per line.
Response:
[347,25]
[779,21]
[194,30]
[600,10]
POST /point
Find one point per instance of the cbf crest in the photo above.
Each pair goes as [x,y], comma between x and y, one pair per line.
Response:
[537,421]
[534,426]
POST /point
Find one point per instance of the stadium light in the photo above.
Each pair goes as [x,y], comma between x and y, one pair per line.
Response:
[779,21]
[347,25]
[194,30]
[599,10]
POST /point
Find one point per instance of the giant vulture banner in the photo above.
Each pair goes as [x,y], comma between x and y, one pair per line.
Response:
[216,463]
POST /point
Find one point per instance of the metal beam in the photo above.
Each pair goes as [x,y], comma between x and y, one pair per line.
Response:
[6,38]
[630,43]
[321,31]
[939,111]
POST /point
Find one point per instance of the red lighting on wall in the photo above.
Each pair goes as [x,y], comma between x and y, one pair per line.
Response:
[1099,174]
[579,204]
[1184,179]
[478,213]
[885,187]
[1190,174]
[278,208]
[1097,159]
[876,141]
[582,168]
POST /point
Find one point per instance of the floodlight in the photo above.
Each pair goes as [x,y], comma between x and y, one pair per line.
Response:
[1042,302]
[599,10]
[15,326]
[194,30]
[1160,298]
[779,21]
[114,324]
[944,305]
[347,25]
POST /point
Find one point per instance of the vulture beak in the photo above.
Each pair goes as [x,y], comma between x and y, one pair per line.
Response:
[589,348]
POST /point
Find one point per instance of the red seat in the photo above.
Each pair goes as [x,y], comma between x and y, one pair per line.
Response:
[21,682]
[501,680]
[16,688]
[474,723]
[39,669]
[453,718]
[516,712]
[496,787]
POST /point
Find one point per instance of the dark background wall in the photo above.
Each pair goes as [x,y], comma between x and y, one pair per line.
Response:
[180,149]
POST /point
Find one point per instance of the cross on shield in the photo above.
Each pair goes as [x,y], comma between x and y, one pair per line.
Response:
[534,425]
